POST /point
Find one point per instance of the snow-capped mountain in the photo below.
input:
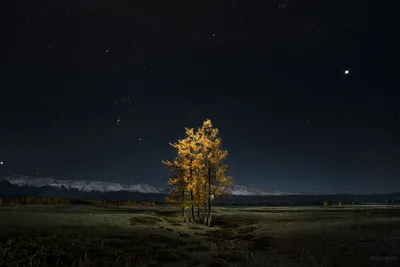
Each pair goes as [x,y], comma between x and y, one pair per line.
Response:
[83,186]
[104,187]
[29,181]
[238,190]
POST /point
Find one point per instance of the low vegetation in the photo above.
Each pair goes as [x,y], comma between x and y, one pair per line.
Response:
[79,235]
[147,220]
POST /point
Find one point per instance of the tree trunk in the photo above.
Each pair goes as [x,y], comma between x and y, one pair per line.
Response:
[191,204]
[209,201]
[208,219]
[183,205]
[205,202]
[198,213]
[191,192]
[198,204]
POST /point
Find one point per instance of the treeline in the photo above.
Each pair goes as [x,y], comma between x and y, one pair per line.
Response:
[198,173]
[37,200]
[66,201]
[118,203]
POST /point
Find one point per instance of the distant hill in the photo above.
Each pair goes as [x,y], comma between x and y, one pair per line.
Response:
[83,186]
[105,187]
[20,186]
[238,190]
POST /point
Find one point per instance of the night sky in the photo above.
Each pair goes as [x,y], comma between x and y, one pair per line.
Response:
[305,93]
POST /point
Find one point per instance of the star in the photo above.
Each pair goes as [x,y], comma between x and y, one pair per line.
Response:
[347,72]
[1,163]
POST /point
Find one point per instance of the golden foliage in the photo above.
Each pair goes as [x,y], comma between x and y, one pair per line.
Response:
[198,170]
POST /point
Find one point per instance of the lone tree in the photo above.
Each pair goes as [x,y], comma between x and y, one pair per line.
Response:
[199,174]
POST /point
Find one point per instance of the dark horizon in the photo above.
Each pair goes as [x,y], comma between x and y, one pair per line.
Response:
[304,94]
[165,186]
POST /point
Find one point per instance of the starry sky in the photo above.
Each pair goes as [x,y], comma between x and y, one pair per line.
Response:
[304,92]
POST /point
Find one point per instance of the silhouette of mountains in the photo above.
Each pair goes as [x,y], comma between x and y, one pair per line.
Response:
[20,186]
[105,187]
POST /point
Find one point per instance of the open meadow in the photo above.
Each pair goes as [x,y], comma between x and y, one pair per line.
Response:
[68,235]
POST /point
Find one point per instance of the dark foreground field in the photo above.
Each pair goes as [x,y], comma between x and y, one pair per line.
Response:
[153,236]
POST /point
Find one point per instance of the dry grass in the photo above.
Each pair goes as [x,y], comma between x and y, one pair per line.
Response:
[155,236]
[145,220]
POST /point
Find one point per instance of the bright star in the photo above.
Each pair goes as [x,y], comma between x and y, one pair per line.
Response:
[1,163]
[346,72]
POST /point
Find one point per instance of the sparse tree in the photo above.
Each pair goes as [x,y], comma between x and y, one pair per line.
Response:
[217,183]
[178,182]
[199,172]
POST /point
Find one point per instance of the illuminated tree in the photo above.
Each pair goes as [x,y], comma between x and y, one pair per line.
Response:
[178,182]
[216,183]
[199,172]
[187,165]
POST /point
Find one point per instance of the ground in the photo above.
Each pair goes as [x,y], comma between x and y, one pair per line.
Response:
[36,235]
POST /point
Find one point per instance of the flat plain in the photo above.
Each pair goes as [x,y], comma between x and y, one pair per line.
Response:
[79,235]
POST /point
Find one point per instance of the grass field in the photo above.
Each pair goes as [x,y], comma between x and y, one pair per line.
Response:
[241,236]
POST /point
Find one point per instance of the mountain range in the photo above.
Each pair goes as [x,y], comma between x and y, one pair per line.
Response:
[20,186]
[105,187]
